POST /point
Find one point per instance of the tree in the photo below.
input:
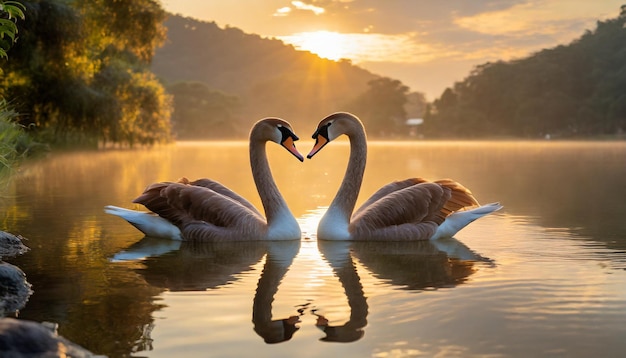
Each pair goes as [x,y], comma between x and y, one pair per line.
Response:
[80,75]
[381,107]
[566,91]
[131,28]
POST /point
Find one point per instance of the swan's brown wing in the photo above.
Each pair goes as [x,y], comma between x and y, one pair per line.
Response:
[151,198]
[413,204]
[219,188]
[182,204]
[460,198]
[386,190]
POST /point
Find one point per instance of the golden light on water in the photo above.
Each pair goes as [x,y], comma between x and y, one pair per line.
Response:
[549,259]
[317,269]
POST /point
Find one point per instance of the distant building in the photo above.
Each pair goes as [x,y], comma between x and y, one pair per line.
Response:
[413,123]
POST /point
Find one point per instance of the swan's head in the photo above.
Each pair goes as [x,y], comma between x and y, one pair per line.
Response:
[332,127]
[278,131]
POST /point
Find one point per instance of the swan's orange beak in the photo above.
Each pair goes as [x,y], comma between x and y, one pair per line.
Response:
[290,145]
[320,142]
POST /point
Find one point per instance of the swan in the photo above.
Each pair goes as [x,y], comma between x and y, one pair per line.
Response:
[412,209]
[205,210]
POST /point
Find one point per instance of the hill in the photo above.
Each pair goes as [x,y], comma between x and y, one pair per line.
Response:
[570,91]
[239,78]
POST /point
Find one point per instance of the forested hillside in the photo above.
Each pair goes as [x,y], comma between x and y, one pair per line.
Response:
[241,77]
[88,72]
[575,90]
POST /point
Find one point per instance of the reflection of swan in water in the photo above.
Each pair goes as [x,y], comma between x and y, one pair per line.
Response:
[418,265]
[412,209]
[280,255]
[412,264]
[205,210]
[199,266]
[337,254]
[193,266]
[147,247]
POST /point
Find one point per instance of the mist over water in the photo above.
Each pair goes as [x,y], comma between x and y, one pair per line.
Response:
[543,276]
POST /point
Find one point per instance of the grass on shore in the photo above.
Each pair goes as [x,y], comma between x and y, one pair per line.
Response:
[15,143]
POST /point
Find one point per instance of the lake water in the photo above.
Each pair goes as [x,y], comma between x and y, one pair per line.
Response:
[545,276]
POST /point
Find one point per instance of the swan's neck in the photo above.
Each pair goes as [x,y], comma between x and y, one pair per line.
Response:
[337,218]
[280,221]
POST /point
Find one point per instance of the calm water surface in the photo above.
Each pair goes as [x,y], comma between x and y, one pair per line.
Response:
[546,276]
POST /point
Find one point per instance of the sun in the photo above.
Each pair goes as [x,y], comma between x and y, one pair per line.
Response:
[360,47]
[326,44]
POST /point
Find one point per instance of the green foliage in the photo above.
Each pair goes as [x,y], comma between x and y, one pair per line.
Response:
[10,137]
[12,10]
[568,91]
[80,72]
[15,143]
[131,28]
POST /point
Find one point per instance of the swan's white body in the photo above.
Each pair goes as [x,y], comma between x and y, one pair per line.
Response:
[205,210]
[413,209]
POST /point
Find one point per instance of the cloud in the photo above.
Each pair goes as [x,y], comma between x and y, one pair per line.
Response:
[553,18]
[283,11]
[416,31]
[400,16]
[299,5]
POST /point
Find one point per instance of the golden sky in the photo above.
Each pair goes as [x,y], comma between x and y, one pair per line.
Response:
[427,44]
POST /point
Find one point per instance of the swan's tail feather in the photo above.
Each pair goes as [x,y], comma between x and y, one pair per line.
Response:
[460,197]
[150,224]
[460,219]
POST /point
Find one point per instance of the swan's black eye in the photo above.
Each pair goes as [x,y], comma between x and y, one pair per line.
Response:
[286,133]
[323,131]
